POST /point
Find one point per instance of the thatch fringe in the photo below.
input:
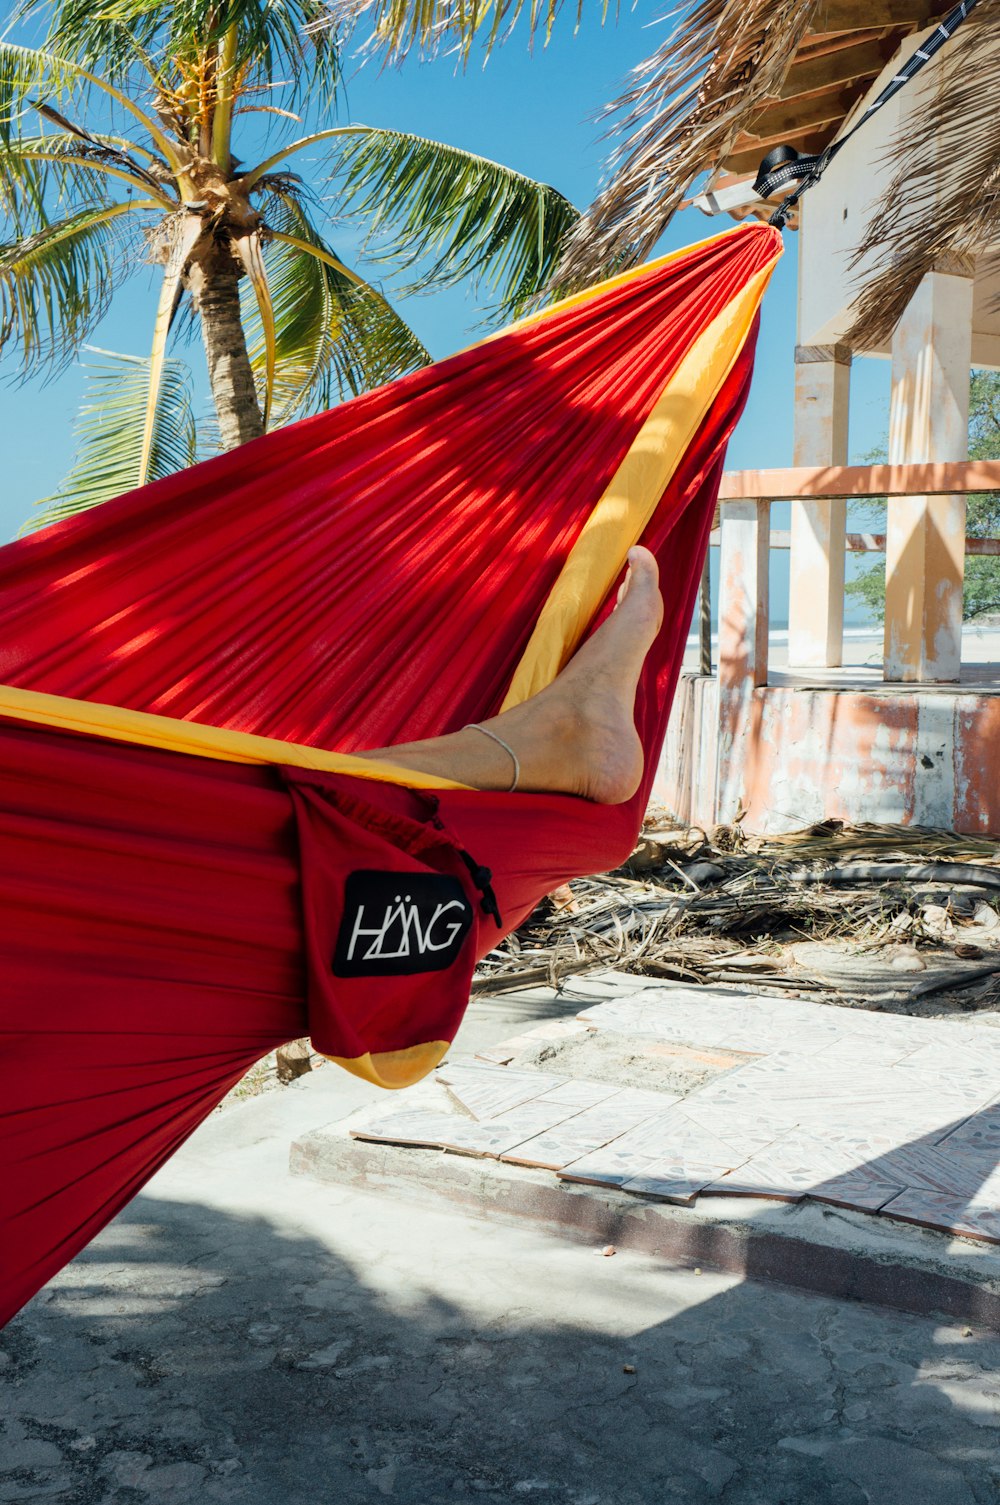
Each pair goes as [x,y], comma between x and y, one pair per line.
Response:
[682,113]
[944,197]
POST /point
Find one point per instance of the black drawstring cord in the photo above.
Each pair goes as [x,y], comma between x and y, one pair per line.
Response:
[481,876]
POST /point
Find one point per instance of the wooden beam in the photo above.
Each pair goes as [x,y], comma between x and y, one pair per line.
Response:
[827,43]
[787,118]
[848,15]
[745,157]
[943,478]
[866,61]
[870,543]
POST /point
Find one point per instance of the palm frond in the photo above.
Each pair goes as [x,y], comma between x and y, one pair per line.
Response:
[109,434]
[400,26]
[55,285]
[473,219]
[944,197]
[248,248]
[110,154]
[376,345]
[335,335]
[679,117]
[93,36]
[271,39]
[62,171]
[185,231]
[29,70]
[37,71]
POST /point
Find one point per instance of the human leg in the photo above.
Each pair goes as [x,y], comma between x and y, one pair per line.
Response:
[578,735]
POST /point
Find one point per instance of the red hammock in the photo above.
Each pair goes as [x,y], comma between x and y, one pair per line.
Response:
[388,571]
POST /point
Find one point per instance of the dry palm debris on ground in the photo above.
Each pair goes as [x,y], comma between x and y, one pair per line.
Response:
[902,917]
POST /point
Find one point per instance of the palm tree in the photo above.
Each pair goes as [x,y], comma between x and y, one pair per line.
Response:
[117,146]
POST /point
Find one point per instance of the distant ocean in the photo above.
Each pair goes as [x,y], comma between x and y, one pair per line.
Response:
[857,619]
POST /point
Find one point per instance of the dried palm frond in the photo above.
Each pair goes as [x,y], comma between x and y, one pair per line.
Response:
[836,839]
[681,115]
[944,198]
[783,914]
[430,27]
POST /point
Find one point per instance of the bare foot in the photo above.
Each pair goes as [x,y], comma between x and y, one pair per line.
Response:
[578,736]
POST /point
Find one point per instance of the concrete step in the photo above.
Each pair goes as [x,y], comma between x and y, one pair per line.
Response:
[826,1250]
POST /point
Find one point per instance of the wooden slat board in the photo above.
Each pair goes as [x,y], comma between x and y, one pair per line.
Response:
[834,67]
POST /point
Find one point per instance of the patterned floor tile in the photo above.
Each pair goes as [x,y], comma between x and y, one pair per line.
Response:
[555,1029]
[642,1102]
[855,1191]
[862,1050]
[975,1049]
[954,1077]
[979,1134]
[674,1181]
[586,1131]
[757,1031]
[795,1166]
[948,1214]
[580,1095]
[674,1135]
[734,1128]
[986,1197]
[444,1131]
[896,1027]
[930,1168]
[783,1089]
[609,1165]
[553,1151]
[488,1091]
[540,1116]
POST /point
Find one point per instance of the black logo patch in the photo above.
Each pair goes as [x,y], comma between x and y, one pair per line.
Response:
[398,923]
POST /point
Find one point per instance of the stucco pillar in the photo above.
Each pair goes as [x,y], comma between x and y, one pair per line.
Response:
[743,643]
[925,536]
[819,528]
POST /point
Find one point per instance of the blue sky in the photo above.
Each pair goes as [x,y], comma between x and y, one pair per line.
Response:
[530,108]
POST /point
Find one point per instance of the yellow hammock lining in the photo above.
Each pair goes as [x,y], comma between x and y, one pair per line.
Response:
[617,521]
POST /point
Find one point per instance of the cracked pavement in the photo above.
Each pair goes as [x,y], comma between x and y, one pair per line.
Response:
[242,1336]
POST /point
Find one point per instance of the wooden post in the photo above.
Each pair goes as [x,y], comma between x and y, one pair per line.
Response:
[819,528]
[705,619]
[743,630]
[925,536]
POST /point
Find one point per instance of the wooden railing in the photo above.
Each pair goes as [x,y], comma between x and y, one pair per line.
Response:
[746,540]
[871,482]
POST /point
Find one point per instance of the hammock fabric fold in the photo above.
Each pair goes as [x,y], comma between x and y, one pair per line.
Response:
[186,672]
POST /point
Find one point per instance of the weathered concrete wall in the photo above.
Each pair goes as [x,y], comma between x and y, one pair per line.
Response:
[909,756]
[685,779]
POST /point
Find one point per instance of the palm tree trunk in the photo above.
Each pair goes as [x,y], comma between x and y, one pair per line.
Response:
[214,285]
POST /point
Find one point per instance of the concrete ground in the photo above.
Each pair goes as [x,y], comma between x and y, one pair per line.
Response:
[243,1336]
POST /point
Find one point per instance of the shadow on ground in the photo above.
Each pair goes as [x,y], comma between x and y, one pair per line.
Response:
[194,1355]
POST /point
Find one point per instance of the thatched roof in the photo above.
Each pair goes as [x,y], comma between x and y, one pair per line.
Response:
[736,77]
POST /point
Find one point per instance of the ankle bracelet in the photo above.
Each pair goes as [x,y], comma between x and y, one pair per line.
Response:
[474,726]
